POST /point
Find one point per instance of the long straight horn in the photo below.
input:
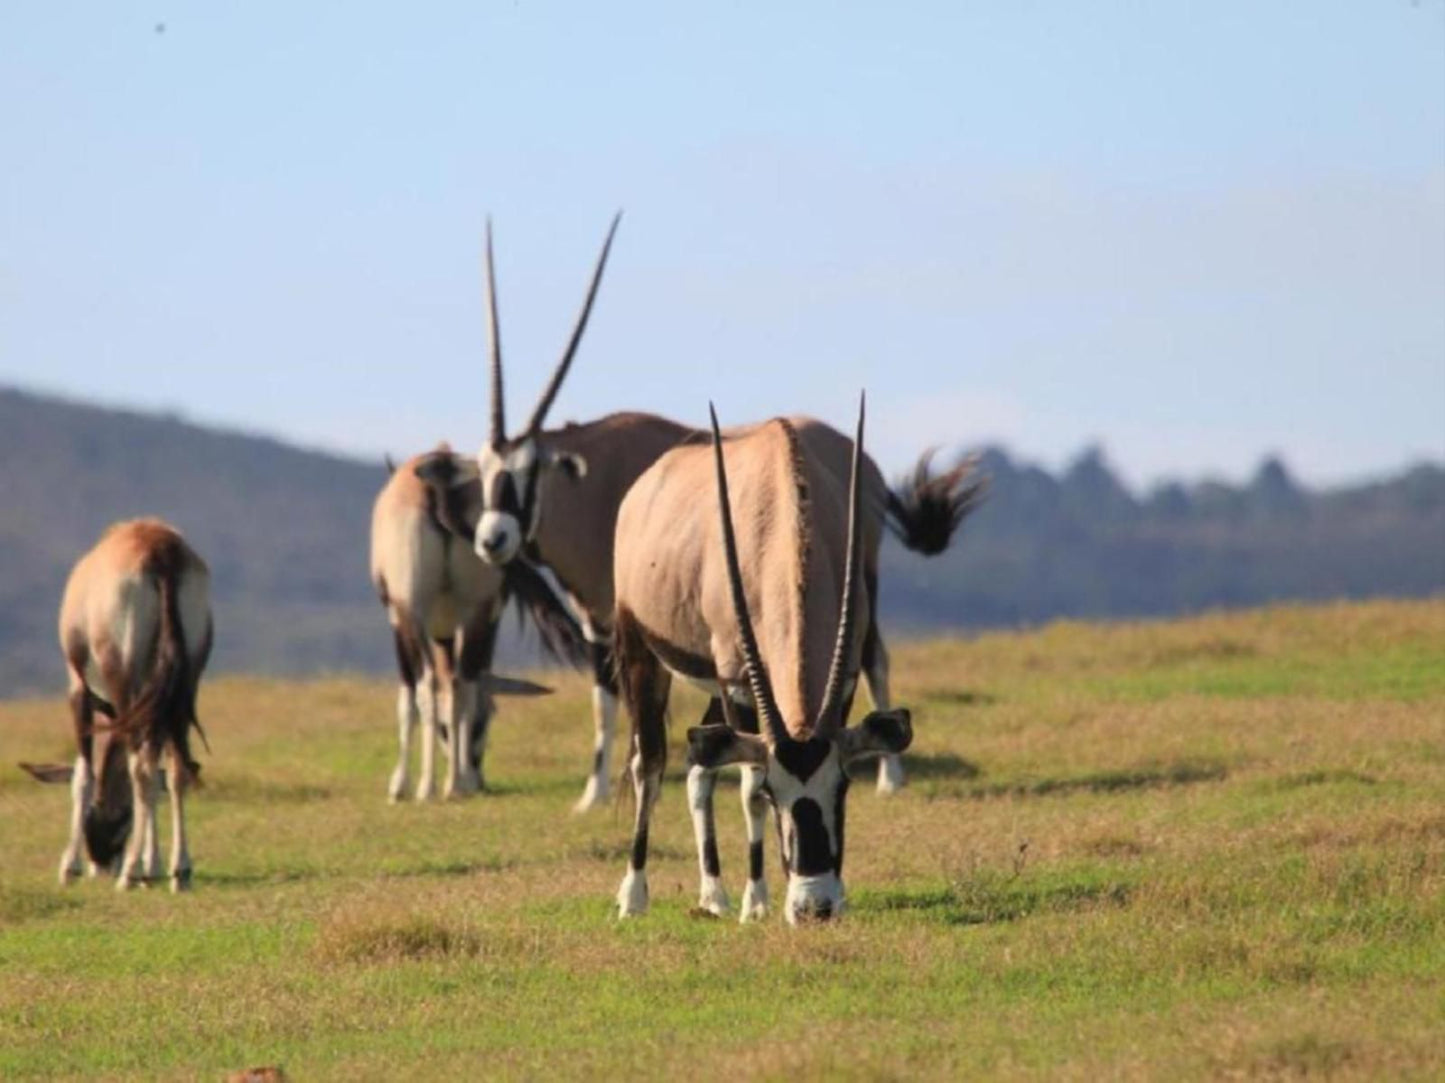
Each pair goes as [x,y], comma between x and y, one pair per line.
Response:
[494,342]
[773,729]
[544,404]
[830,714]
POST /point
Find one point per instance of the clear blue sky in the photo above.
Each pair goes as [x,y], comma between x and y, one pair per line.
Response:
[1196,232]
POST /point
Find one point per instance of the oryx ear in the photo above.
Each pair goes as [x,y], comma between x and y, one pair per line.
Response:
[456,490]
[720,745]
[447,468]
[497,685]
[49,772]
[880,733]
[570,463]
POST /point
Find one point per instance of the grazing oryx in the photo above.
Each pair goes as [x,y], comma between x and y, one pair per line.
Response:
[522,494]
[444,605]
[135,629]
[686,593]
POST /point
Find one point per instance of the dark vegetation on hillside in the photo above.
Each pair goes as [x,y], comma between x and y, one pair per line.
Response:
[285,532]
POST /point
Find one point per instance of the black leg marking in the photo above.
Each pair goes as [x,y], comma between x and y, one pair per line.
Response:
[755,860]
[710,862]
[639,849]
[604,670]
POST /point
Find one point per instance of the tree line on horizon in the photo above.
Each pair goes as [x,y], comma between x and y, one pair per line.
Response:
[285,532]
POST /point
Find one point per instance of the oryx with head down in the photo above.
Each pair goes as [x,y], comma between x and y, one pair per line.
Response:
[554,494]
[756,597]
[135,630]
[444,605]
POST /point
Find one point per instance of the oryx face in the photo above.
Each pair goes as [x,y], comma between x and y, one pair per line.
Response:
[807,784]
[510,469]
[510,476]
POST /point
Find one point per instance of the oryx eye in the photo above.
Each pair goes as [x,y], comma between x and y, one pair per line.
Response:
[507,496]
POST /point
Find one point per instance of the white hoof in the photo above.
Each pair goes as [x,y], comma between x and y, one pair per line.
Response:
[632,895]
[125,881]
[180,881]
[396,788]
[69,870]
[714,898]
[755,902]
[890,775]
[594,796]
[425,793]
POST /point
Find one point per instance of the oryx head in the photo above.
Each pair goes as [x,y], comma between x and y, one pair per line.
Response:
[806,777]
[510,469]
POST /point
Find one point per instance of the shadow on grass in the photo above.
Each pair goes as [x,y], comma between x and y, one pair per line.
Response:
[991,900]
[961,697]
[1324,778]
[621,851]
[243,790]
[1183,773]
[937,765]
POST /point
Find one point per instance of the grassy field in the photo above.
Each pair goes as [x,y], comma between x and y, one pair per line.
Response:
[1196,850]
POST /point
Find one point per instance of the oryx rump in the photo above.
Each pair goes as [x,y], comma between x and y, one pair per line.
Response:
[135,630]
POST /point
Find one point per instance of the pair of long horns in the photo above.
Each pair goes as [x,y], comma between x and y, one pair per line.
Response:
[830,713]
[494,341]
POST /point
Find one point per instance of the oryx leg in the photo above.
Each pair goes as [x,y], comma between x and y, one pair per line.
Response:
[427,698]
[144,784]
[479,643]
[875,668]
[645,685]
[406,715]
[755,813]
[151,843]
[180,852]
[82,782]
[701,782]
[453,710]
[604,717]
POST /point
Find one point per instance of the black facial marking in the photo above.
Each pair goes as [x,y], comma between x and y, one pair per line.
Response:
[815,853]
[755,860]
[801,758]
[507,500]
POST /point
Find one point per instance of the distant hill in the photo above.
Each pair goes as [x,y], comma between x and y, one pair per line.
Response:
[1083,545]
[285,532]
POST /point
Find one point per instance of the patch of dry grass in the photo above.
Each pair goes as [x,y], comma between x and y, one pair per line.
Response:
[1204,849]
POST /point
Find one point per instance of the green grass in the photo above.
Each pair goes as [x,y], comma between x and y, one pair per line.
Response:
[1196,850]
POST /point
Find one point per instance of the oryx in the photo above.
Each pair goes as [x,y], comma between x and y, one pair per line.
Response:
[690,578]
[135,630]
[444,605]
[527,494]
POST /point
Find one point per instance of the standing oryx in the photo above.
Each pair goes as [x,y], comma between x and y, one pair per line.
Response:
[444,605]
[135,629]
[686,592]
[527,493]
